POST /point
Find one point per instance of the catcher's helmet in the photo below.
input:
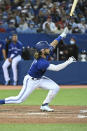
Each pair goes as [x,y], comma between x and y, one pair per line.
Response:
[42,45]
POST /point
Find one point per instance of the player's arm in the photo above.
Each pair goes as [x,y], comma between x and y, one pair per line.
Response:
[4,53]
[57,40]
[61,66]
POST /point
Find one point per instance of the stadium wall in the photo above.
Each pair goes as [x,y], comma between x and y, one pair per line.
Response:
[74,74]
[32,39]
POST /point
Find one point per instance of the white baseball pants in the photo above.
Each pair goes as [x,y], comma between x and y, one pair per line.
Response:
[29,85]
[14,63]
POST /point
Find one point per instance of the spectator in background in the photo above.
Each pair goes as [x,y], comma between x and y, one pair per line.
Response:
[44,11]
[70,28]
[13,58]
[2,29]
[11,26]
[31,28]
[23,27]
[49,26]
[39,10]
[27,28]
[82,26]
[63,51]
[73,48]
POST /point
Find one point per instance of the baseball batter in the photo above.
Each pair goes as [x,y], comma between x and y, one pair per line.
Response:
[13,57]
[35,78]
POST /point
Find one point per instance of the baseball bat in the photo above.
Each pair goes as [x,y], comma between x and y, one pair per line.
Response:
[73,7]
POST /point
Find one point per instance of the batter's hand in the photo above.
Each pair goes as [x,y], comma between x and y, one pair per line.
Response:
[71,59]
[10,60]
[65,32]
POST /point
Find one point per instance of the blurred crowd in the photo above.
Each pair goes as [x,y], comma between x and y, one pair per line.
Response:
[42,16]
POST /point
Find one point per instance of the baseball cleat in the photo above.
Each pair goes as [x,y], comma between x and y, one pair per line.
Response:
[7,83]
[46,108]
[14,83]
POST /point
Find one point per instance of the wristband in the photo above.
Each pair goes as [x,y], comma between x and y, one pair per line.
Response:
[59,38]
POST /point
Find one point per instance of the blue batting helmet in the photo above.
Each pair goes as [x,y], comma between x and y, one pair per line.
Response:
[42,45]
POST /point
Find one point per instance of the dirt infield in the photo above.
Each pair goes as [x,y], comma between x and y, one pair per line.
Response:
[2,87]
[32,114]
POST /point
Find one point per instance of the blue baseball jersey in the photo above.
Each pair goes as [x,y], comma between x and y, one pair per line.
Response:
[15,49]
[39,67]
[2,43]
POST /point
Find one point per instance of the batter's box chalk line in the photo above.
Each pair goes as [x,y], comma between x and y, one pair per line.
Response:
[82,116]
[36,113]
[83,111]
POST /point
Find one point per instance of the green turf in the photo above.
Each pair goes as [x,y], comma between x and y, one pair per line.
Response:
[43,127]
[64,97]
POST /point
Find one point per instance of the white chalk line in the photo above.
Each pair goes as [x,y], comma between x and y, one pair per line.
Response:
[36,114]
[83,111]
[82,115]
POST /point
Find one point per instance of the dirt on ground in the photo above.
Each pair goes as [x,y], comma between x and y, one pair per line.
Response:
[32,114]
[11,87]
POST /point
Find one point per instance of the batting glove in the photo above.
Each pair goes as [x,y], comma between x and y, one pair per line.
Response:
[71,59]
[65,32]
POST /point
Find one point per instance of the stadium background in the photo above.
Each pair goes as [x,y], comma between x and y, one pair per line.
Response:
[75,74]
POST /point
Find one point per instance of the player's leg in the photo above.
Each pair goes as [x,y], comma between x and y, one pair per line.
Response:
[15,62]
[5,71]
[28,87]
[53,88]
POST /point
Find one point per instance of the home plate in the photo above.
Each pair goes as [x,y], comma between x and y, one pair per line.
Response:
[82,116]
[83,111]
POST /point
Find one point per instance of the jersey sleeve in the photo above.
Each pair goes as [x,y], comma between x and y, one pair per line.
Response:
[51,53]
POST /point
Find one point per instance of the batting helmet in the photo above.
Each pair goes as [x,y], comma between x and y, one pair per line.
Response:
[42,45]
